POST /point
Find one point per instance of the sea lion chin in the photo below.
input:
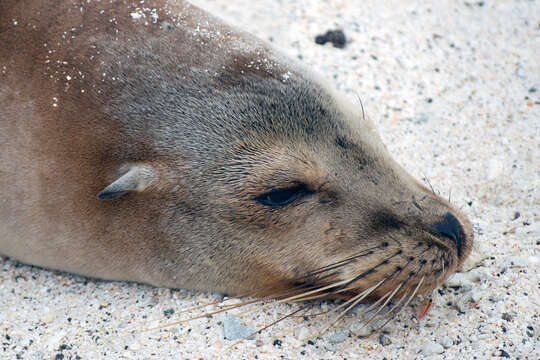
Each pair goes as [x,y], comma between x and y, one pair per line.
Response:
[162,146]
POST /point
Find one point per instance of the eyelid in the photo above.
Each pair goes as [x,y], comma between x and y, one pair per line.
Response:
[297,192]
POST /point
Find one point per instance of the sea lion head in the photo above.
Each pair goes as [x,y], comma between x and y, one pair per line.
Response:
[227,166]
[272,181]
[308,186]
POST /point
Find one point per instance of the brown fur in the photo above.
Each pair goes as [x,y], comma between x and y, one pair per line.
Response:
[87,91]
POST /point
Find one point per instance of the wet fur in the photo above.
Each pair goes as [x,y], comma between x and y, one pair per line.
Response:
[220,118]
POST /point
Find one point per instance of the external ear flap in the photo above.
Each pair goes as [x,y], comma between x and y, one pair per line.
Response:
[138,178]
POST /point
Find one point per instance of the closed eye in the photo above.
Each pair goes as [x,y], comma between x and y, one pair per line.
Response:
[283,196]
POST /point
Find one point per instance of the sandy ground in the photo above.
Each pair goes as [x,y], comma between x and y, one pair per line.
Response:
[454,89]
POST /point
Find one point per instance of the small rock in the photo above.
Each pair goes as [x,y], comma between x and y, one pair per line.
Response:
[234,330]
[168,312]
[218,296]
[477,295]
[384,340]
[459,280]
[432,348]
[358,328]
[503,353]
[463,303]
[336,37]
[420,118]
[466,280]
[337,336]
[446,341]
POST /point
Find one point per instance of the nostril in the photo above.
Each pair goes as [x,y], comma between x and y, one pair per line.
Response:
[451,228]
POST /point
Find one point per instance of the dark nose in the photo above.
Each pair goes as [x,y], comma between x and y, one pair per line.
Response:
[452,229]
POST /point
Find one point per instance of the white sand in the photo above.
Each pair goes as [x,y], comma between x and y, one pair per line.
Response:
[451,87]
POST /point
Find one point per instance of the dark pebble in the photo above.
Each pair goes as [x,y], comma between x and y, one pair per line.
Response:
[532,90]
[507,317]
[504,354]
[168,312]
[336,37]
[384,340]
[277,342]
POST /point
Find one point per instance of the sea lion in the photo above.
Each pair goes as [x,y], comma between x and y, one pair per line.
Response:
[157,144]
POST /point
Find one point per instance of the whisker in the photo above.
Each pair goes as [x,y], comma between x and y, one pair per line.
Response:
[355,300]
[258,331]
[372,270]
[227,308]
[361,105]
[397,271]
[404,305]
[394,292]
[263,294]
[429,183]
[417,205]
[390,318]
[235,306]
[299,296]
[413,293]
[339,263]
[351,303]
[442,263]
[306,291]
[382,306]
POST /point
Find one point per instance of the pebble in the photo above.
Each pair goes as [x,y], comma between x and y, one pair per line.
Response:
[446,341]
[469,278]
[384,340]
[464,302]
[432,348]
[234,330]
[336,37]
[459,280]
[358,328]
[477,295]
[337,336]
